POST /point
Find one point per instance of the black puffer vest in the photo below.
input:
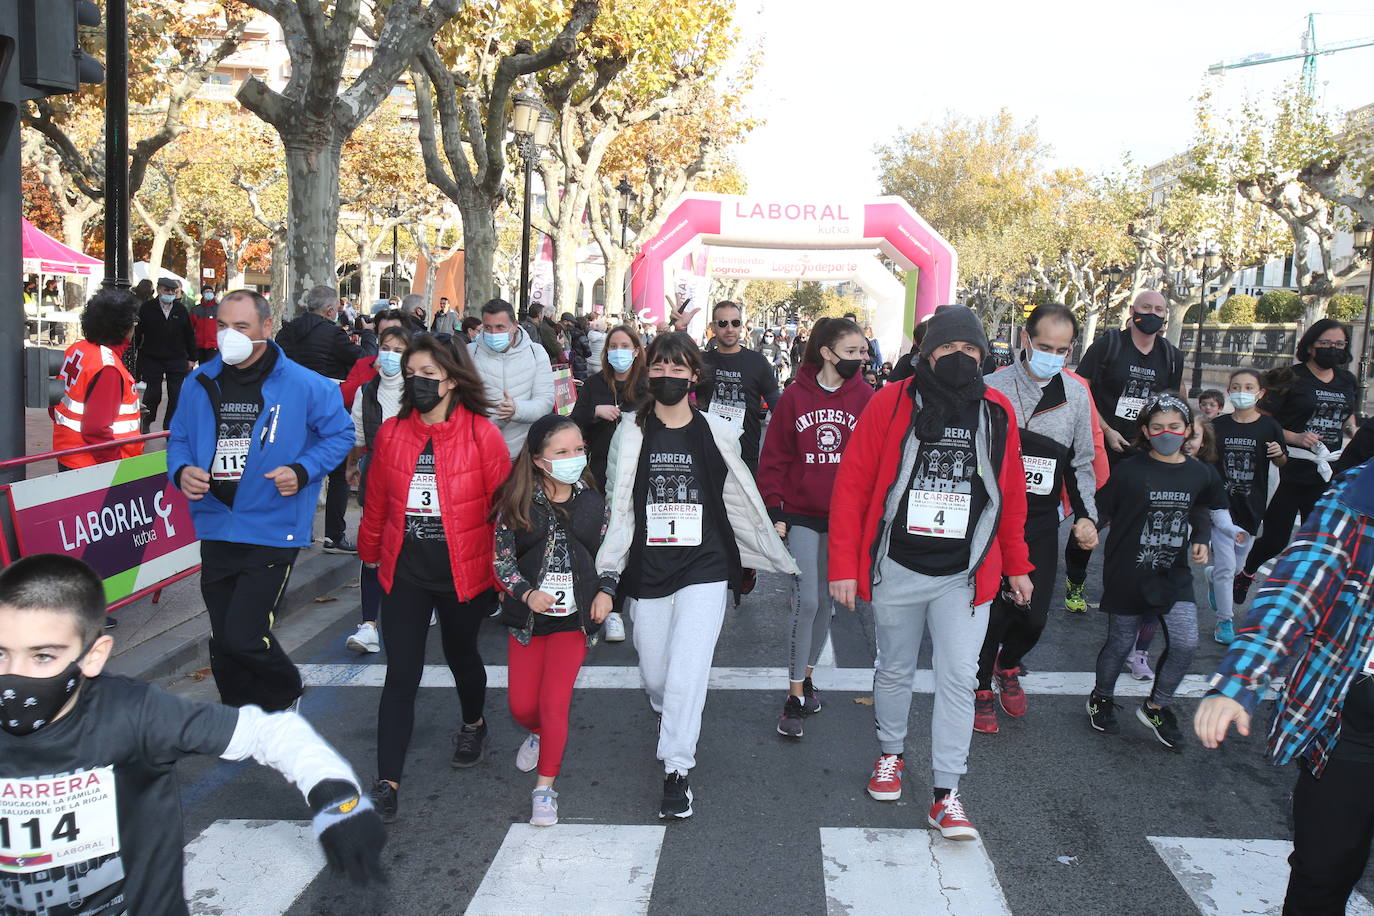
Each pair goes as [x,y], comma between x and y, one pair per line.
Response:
[585,515]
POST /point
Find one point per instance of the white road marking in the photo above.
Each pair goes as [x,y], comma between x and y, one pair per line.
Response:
[571,868]
[1232,877]
[851,680]
[827,657]
[250,868]
[873,870]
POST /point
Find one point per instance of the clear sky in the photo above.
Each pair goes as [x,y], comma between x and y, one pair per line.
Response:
[1102,79]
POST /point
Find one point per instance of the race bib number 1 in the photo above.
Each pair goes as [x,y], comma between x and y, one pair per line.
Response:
[1129,408]
[423,498]
[560,585]
[1039,474]
[230,457]
[57,820]
[937,515]
[673,525]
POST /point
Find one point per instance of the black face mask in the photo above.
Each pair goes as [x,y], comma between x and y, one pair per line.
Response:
[848,368]
[955,370]
[423,393]
[29,703]
[667,390]
[1330,357]
[1147,323]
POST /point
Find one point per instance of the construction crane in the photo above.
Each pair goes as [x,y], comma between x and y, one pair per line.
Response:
[1309,54]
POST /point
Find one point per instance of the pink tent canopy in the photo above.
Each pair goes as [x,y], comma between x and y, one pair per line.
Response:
[46,255]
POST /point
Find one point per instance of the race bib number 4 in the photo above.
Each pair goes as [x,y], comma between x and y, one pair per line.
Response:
[423,498]
[57,820]
[1039,474]
[560,585]
[673,525]
[1129,408]
[231,455]
[937,515]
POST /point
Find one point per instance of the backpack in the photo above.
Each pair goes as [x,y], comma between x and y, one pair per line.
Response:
[1174,356]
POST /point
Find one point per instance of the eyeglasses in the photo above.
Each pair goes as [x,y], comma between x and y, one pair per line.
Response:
[728,322]
[1329,344]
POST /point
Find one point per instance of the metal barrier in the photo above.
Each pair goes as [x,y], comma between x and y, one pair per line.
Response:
[7,556]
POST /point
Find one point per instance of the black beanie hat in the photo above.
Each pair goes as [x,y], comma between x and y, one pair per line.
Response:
[953,322]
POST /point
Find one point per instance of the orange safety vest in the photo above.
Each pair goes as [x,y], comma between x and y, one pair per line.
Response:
[80,364]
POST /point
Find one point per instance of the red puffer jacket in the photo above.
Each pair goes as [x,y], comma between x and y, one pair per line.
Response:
[470,462]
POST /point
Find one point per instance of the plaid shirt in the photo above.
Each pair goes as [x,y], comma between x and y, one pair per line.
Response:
[1319,589]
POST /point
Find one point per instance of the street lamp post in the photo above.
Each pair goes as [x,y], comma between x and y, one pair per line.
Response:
[533,126]
[1364,243]
[1203,261]
[395,244]
[626,193]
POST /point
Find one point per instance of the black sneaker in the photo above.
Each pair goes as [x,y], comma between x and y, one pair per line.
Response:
[790,725]
[811,698]
[677,797]
[342,545]
[1240,586]
[1162,723]
[1102,714]
[471,745]
[383,797]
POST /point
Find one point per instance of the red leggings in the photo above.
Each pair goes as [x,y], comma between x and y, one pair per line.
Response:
[541,686]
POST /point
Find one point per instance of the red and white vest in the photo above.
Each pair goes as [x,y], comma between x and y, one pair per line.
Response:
[81,363]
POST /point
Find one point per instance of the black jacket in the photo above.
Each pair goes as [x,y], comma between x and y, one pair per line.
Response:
[169,338]
[597,432]
[583,524]
[320,345]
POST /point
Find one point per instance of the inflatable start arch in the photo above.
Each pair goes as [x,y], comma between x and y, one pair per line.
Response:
[884,223]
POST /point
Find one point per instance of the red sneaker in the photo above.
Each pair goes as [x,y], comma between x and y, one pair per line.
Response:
[984,712]
[886,782]
[947,816]
[1009,689]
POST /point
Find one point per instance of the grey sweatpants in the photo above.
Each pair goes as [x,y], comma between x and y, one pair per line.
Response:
[905,604]
[676,637]
[811,604]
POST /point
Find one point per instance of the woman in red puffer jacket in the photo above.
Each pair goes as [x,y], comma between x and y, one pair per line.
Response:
[434,469]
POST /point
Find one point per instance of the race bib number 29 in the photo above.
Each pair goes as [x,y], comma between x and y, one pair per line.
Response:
[57,820]
[1039,474]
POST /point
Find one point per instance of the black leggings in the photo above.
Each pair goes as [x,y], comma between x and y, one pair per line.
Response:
[1333,823]
[1292,501]
[1013,630]
[405,627]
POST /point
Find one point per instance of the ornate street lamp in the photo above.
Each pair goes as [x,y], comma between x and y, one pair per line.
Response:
[626,194]
[1203,262]
[532,125]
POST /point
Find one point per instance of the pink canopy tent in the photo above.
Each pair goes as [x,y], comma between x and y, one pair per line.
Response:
[46,255]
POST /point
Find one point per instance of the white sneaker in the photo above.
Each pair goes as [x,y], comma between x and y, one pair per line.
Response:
[365,639]
[527,757]
[543,807]
[433,617]
[615,628]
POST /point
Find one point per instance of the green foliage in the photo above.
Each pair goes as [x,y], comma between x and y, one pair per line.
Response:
[1239,309]
[1279,306]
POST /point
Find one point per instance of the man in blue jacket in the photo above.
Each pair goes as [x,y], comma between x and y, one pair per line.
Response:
[253,437]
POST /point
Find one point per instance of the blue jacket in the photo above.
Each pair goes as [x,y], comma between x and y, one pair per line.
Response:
[1319,594]
[303,423]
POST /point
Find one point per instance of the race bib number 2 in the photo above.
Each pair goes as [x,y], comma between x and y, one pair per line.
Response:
[53,821]
[938,515]
[673,525]
[560,585]
[231,455]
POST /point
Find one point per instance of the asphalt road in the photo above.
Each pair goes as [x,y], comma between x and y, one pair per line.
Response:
[1065,812]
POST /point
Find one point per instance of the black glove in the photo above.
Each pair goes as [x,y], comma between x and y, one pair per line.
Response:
[349,829]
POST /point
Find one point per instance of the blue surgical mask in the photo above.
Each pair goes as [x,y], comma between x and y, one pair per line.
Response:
[620,360]
[1243,400]
[1042,364]
[567,470]
[389,363]
[498,342]
[167,298]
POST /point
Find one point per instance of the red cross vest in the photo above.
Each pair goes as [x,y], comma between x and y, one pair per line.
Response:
[81,363]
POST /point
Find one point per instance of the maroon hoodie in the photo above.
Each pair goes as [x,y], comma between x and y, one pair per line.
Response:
[808,432]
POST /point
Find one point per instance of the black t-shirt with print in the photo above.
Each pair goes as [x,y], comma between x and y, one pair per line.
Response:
[682,541]
[60,776]
[1122,386]
[949,496]
[736,386]
[239,402]
[1244,465]
[1155,510]
[1310,404]
[424,557]
[559,565]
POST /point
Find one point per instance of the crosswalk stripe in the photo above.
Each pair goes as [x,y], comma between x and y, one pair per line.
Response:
[250,868]
[875,870]
[851,680]
[1225,877]
[601,869]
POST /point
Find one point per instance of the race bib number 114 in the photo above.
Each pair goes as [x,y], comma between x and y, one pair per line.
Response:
[57,820]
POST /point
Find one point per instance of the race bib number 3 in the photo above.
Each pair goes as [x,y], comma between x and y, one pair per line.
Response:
[423,498]
[1039,474]
[673,525]
[937,515]
[1129,408]
[231,455]
[560,585]
[57,820]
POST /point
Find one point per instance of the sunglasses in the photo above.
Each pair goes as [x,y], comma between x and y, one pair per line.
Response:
[728,322]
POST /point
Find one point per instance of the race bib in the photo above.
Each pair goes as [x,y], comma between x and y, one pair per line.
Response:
[57,820]
[1368,666]
[231,456]
[560,585]
[937,515]
[1039,474]
[731,413]
[423,498]
[1129,408]
[673,525]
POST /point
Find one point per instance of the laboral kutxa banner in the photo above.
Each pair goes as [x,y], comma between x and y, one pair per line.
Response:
[122,517]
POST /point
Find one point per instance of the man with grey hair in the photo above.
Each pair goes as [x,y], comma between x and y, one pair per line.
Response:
[315,341]
[413,308]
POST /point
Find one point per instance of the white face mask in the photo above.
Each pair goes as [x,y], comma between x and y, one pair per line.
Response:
[234,346]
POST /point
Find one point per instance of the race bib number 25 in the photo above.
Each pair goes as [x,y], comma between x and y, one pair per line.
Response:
[56,820]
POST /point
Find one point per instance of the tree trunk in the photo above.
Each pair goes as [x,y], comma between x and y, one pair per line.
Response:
[156,252]
[479,254]
[312,176]
[193,277]
[280,277]
[1177,312]
[565,284]
[368,288]
[73,227]
[615,285]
